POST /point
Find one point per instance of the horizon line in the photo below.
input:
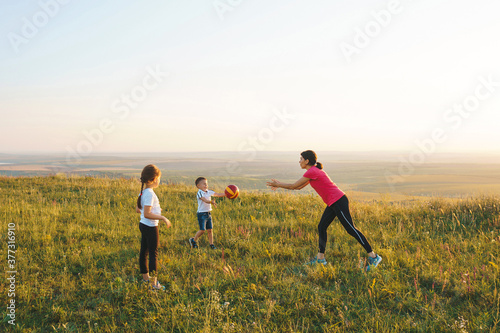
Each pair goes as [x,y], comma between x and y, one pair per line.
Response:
[28,153]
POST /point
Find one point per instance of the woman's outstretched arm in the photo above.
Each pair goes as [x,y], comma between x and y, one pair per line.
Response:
[298,185]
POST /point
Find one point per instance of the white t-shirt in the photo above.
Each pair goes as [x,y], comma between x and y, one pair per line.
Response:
[204,207]
[149,198]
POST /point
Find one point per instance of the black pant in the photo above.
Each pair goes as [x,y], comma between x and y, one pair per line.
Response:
[340,209]
[149,244]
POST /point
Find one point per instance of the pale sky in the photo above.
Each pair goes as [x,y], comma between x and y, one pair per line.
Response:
[266,75]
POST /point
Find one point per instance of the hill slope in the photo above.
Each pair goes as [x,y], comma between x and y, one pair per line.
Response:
[77,261]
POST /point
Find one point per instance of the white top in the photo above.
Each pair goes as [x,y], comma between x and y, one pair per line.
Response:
[149,198]
[204,207]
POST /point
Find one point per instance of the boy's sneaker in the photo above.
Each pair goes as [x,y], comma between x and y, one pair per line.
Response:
[373,262]
[212,246]
[317,261]
[193,243]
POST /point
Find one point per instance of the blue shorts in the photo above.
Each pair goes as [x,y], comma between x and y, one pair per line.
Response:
[205,220]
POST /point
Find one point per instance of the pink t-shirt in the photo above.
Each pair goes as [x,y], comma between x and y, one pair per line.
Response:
[323,185]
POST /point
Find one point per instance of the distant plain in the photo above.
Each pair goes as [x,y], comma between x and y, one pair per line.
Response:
[366,175]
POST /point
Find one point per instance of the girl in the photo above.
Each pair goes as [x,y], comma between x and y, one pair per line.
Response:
[337,205]
[148,206]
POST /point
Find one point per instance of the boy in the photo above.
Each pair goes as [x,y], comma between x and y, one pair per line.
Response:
[205,202]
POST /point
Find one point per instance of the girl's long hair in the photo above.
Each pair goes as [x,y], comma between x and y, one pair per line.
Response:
[312,157]
[149,174]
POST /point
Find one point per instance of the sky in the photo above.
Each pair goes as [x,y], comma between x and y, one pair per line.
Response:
[87,77]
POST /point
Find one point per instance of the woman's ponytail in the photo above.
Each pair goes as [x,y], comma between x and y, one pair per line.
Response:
[312,157]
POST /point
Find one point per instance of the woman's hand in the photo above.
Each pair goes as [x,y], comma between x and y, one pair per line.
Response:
[274,184]
[299,184]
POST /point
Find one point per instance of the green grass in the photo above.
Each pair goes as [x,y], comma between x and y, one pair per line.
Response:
[78,245]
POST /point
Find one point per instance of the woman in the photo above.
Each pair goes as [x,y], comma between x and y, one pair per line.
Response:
[337,205]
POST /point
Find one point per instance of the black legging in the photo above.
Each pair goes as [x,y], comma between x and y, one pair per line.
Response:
[149,244]
[340,209]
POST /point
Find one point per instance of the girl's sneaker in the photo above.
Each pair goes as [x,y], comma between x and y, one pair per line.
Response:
[212,246]
[317,261]
[373,262]
[158,286]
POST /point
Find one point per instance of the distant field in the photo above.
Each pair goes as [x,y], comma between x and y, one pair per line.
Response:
[448,175]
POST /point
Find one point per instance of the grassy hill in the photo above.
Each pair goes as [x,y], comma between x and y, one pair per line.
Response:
[78,239]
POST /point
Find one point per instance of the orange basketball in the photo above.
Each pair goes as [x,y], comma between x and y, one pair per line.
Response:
[232,191]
